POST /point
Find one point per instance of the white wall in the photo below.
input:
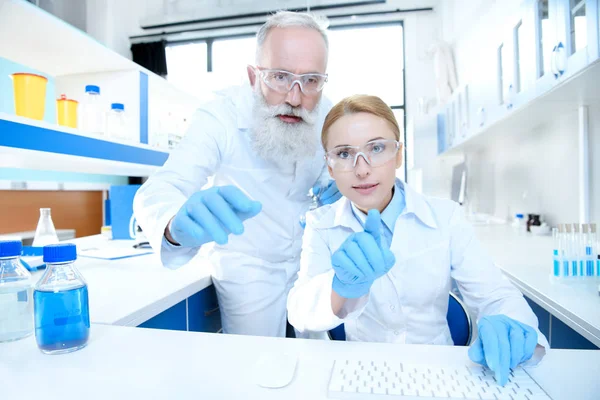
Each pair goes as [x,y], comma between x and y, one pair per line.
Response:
[536,172]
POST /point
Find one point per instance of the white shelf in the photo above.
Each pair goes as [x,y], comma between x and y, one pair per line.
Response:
[30,144]
[566,96]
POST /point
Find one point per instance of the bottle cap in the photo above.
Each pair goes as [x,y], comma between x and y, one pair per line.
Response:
[62,252]
[92,89]
[117,106]
[10,248]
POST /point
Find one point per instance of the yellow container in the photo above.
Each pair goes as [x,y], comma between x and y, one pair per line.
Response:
[30,95]
[66,110]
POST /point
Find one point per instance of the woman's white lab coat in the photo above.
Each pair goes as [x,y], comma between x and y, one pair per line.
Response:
[253,271]
[432,243]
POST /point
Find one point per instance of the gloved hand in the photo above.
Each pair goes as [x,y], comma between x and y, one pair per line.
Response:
[361,259]
[503,343]
[211,215]
[330,194]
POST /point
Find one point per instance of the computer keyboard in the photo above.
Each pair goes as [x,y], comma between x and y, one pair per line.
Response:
[359,379]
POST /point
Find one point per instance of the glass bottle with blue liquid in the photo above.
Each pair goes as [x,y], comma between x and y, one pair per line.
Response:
[16,303]
[61,309]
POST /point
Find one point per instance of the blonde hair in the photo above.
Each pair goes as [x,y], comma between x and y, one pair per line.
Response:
[357,104]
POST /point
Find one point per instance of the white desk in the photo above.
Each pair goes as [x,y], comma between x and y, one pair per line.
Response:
[128,363]
[527,262]
[132,290]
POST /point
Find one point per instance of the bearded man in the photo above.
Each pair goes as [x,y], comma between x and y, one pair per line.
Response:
[260,145]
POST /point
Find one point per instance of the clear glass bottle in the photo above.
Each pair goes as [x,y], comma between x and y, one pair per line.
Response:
[16,302]
[116,127]
[92,111]
[45,233]
[61,308]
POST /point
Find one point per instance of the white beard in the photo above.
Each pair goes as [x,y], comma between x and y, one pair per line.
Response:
[280,142]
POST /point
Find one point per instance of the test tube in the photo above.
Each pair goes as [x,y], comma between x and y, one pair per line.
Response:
[587,249]
[573,246]
[593,250]
[555,253]
[567,250]
[578,248]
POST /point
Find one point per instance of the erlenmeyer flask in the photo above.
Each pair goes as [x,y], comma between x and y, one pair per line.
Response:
[45,233]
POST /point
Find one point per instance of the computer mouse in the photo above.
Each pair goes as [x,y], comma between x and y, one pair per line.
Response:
[275,370]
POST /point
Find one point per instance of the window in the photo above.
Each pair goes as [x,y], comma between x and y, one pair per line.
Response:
[518,38]
[544,37]
[578,25]
[186,65]
[231,56]
[357,63]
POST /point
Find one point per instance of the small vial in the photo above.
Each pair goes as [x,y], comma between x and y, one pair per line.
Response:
[574,249]
[61,309]
[580,250]
[555,252]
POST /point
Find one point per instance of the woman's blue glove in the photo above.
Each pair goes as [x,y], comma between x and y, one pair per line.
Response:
[502,344]
[211,215]
[361,259]
[330,194]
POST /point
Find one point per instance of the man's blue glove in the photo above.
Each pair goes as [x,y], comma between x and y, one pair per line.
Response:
[503,343]
[330,194]
[211,215]
[361,259]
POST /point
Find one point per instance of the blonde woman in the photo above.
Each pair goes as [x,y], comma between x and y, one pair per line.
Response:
[381,259]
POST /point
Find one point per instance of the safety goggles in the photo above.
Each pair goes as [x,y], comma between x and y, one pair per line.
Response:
[375,153]
[283,81]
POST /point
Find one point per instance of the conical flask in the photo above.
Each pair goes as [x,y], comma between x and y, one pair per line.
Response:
[45,233]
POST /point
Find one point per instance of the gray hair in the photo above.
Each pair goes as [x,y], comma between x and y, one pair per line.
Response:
[287,19]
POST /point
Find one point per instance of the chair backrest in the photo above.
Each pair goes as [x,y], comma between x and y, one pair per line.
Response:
[458,319]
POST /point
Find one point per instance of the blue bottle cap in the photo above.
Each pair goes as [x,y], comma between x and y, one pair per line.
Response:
[62,252]
[117,106]
[519,215]
[10,248]
[92,89]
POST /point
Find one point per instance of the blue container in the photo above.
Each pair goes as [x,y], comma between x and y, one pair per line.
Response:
[61,307]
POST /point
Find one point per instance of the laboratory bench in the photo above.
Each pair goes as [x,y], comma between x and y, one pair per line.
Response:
[139,291]
[568,311]
[125,363]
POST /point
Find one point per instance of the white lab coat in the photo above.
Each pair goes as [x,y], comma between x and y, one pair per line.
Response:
[432,243]
[253,272]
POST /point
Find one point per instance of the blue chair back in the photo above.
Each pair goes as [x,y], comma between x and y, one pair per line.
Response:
[458,319]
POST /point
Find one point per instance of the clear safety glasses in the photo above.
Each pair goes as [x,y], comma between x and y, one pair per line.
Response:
[284,81]
[376,153]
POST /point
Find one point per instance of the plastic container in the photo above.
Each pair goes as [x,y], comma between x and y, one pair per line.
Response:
[45,233]
[116,126]
[16,301]
[61,307]
[66,111]
[30,95]
[92,111]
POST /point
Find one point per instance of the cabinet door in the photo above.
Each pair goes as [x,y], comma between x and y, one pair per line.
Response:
[576,35]
[203,311]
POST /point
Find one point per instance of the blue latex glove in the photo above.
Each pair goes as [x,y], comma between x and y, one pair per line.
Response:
[330,194]
[502,344]
[361,259]
[211,215]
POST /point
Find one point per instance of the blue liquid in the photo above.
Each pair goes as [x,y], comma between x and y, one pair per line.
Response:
[556,263]
[566,268]
[574,263]
[62,320]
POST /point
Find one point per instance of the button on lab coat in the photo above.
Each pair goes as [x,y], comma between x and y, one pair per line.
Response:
[218,145]
[432,243]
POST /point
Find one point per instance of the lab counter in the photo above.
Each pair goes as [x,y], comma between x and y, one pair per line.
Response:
[127,363]
[527,261]
[139,291]
[131,291]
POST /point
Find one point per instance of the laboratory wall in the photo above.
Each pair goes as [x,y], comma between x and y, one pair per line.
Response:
[533,171]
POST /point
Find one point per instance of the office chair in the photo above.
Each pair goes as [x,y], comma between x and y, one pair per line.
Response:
[458,319]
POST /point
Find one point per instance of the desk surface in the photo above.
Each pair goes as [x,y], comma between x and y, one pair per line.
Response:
[125,363]
[527,262]
[132,290]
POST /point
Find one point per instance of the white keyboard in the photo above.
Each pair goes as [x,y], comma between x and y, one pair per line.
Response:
[352,379]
